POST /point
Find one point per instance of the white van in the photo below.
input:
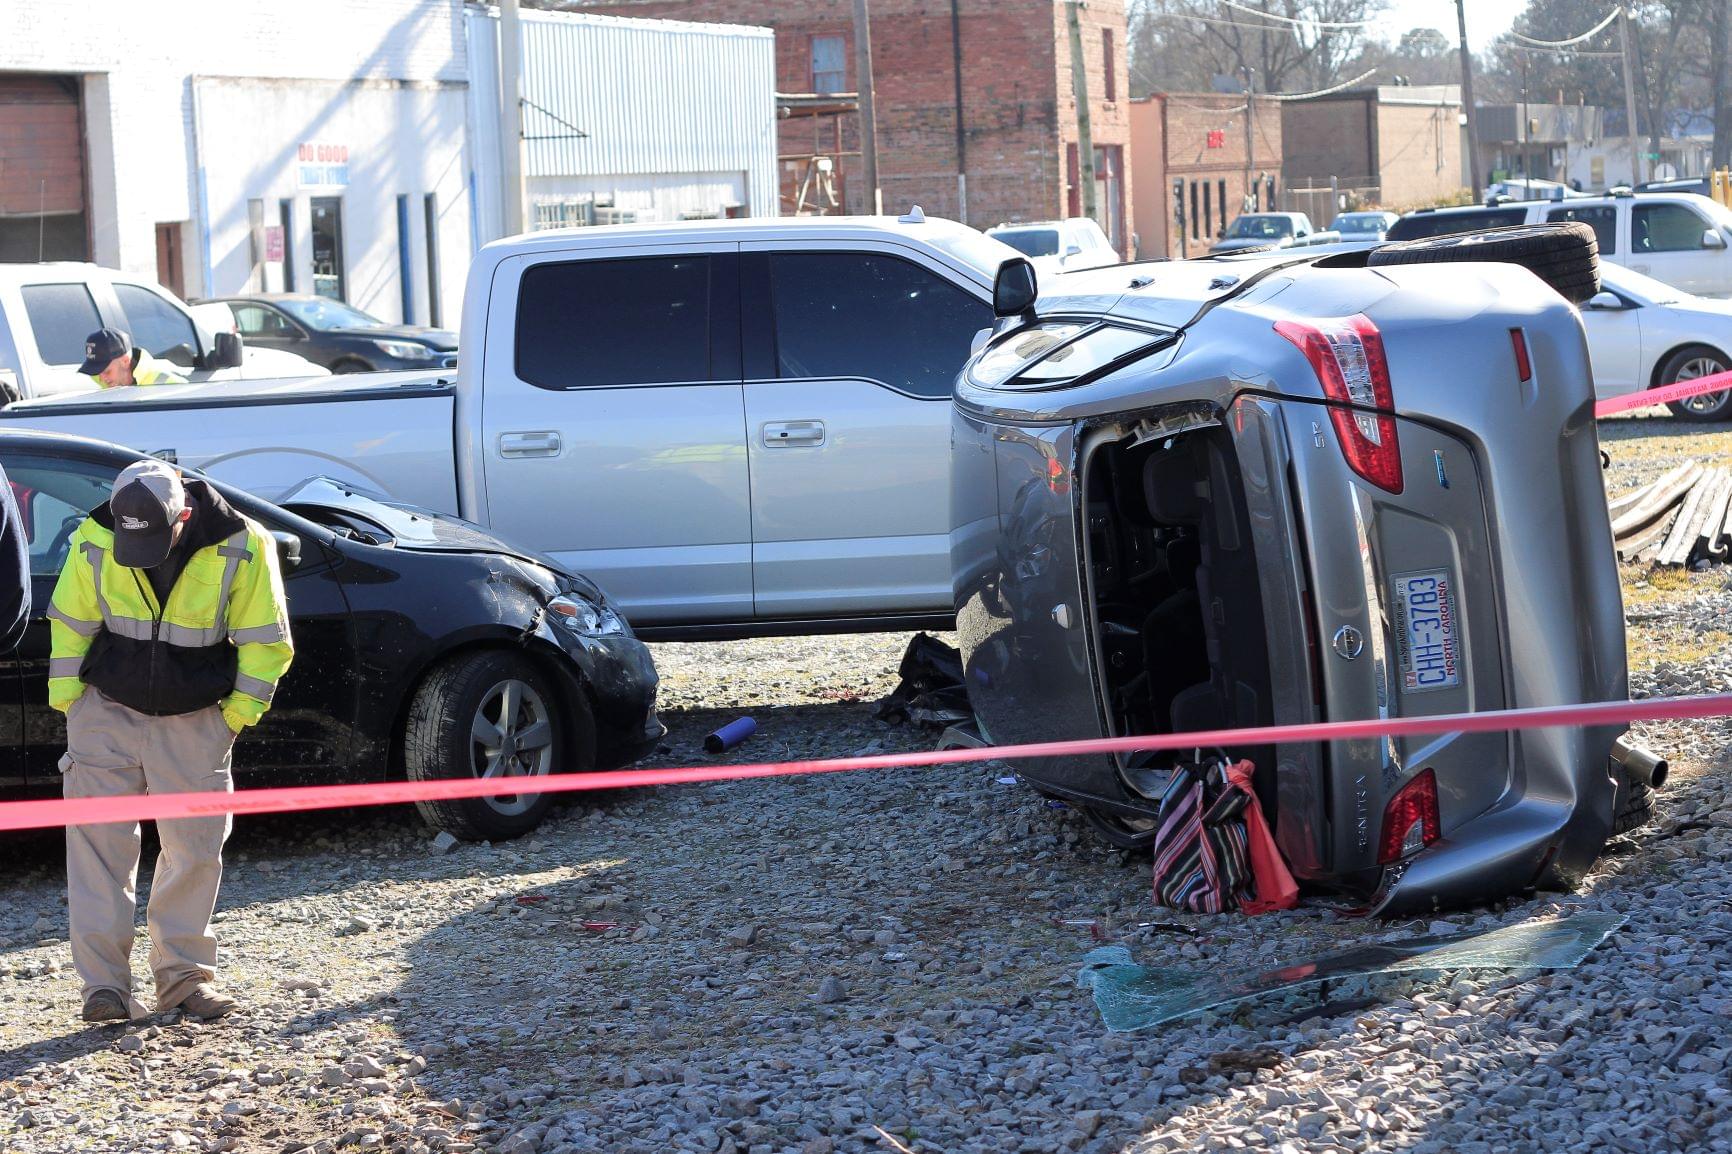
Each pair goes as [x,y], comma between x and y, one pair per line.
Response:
[1678,238]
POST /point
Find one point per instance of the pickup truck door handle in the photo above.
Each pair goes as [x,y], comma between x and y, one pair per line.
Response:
[787,434]
[543,443]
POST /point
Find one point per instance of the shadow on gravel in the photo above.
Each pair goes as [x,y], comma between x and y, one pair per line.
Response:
[78,1040]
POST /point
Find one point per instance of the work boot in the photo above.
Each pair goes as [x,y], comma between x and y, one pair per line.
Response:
[205,1002]
[105,1006]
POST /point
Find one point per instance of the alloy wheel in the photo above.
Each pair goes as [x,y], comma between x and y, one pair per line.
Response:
[511,736]
[1702,404]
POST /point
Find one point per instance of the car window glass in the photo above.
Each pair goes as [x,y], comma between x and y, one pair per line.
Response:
[1603,219]
[259,321]
[1030,241]
[645,320]
[54,497]
[1665,228]
[62,316]
[1427,224]
[154,325]
[319,315]
[865,315]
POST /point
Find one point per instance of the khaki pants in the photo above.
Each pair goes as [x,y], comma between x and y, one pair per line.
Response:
[113,750]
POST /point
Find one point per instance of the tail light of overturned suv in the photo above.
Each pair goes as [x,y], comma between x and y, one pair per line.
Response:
[1275,490]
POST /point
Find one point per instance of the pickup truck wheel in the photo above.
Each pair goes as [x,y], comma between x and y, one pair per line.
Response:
[1686,365]
[351,365]
[491,714]
[1564,254]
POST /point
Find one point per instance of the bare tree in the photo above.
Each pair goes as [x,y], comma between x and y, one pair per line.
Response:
[1184,45]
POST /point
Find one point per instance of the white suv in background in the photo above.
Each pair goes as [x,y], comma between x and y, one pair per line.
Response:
[47,310]
[1055,246]
[1678,238]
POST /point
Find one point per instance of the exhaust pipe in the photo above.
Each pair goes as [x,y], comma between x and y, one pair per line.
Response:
[1646,766]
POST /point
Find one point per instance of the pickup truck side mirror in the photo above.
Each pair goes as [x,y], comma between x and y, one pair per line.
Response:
[227,352]
[1711,238]
[1071,250]
[288,549]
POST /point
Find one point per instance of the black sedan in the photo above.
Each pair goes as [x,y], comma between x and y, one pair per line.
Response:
[341,337]
[424,647]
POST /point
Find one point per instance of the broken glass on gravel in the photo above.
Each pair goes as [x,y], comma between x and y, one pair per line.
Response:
[1133,997]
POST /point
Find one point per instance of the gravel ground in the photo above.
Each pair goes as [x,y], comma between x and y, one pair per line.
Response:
[878,961]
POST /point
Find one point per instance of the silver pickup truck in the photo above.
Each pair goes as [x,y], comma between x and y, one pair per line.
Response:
[734,428]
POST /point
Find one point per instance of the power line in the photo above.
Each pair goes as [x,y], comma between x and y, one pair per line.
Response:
[1285,96]
[1588,35]
[1304,23]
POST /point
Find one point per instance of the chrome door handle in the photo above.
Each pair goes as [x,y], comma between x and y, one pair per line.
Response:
[780,434]
[538,444]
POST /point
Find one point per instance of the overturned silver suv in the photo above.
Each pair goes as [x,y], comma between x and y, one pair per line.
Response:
[1280,489]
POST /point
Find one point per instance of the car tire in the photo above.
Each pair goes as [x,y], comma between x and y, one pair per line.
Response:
[1687,364]
[1119,830]
[1633,805]
[1563,254]
[502,694]
[351,365]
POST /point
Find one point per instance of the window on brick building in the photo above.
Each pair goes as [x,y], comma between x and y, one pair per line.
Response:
[1111,77]
[829,64]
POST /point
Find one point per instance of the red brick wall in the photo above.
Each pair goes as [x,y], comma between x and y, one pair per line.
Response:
[1015,78]
[1190,118]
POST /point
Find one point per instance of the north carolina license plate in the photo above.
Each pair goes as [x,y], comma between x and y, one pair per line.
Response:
[1425,611]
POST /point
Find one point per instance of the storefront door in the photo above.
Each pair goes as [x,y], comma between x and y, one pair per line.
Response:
[327,229]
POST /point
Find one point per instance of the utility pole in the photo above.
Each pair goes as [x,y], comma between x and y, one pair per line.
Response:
[1467,97]
[511,115]
[1527,173]
[868,119]
[1250,136]
[1079,86]
[1629,94]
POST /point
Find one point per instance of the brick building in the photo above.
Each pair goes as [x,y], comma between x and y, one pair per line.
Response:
[1002,71]
[1396,147]
[1191,171]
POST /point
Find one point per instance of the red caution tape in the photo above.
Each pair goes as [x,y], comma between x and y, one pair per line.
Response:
[155,807]
[1696,386]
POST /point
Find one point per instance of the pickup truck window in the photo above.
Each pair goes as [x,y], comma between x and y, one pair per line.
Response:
[156,326]
[1665,228]
[640,321]
[1602,218]
[856,314]
[61,316]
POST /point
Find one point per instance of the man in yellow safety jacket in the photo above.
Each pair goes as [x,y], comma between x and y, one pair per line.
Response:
[170,632]
[109,357]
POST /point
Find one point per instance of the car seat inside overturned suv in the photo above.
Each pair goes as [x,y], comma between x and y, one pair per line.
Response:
[1175,594]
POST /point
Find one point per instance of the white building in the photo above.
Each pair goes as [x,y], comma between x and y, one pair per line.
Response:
[351,147]
[627,120]
[314,146]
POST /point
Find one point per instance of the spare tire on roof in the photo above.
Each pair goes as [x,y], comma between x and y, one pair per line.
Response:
[1565,254]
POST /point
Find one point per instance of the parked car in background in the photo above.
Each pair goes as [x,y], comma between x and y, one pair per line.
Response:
[1643,334]
[1699,185]
[1058,246]
[338,336]
[1523,188]
[1676,237]
[1368,225]
[47,311]
[1249,492]
[736,427]
[424,647]
[1259,229]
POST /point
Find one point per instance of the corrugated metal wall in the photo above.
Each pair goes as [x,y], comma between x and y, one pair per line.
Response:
[652,97]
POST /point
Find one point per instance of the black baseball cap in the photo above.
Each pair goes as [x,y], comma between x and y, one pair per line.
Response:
[101,347]
[146,501]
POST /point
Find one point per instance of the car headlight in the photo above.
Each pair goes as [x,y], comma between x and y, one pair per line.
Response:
[405,350]
[580,615]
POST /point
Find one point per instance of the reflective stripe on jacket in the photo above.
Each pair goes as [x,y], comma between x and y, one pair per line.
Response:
[222,636]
